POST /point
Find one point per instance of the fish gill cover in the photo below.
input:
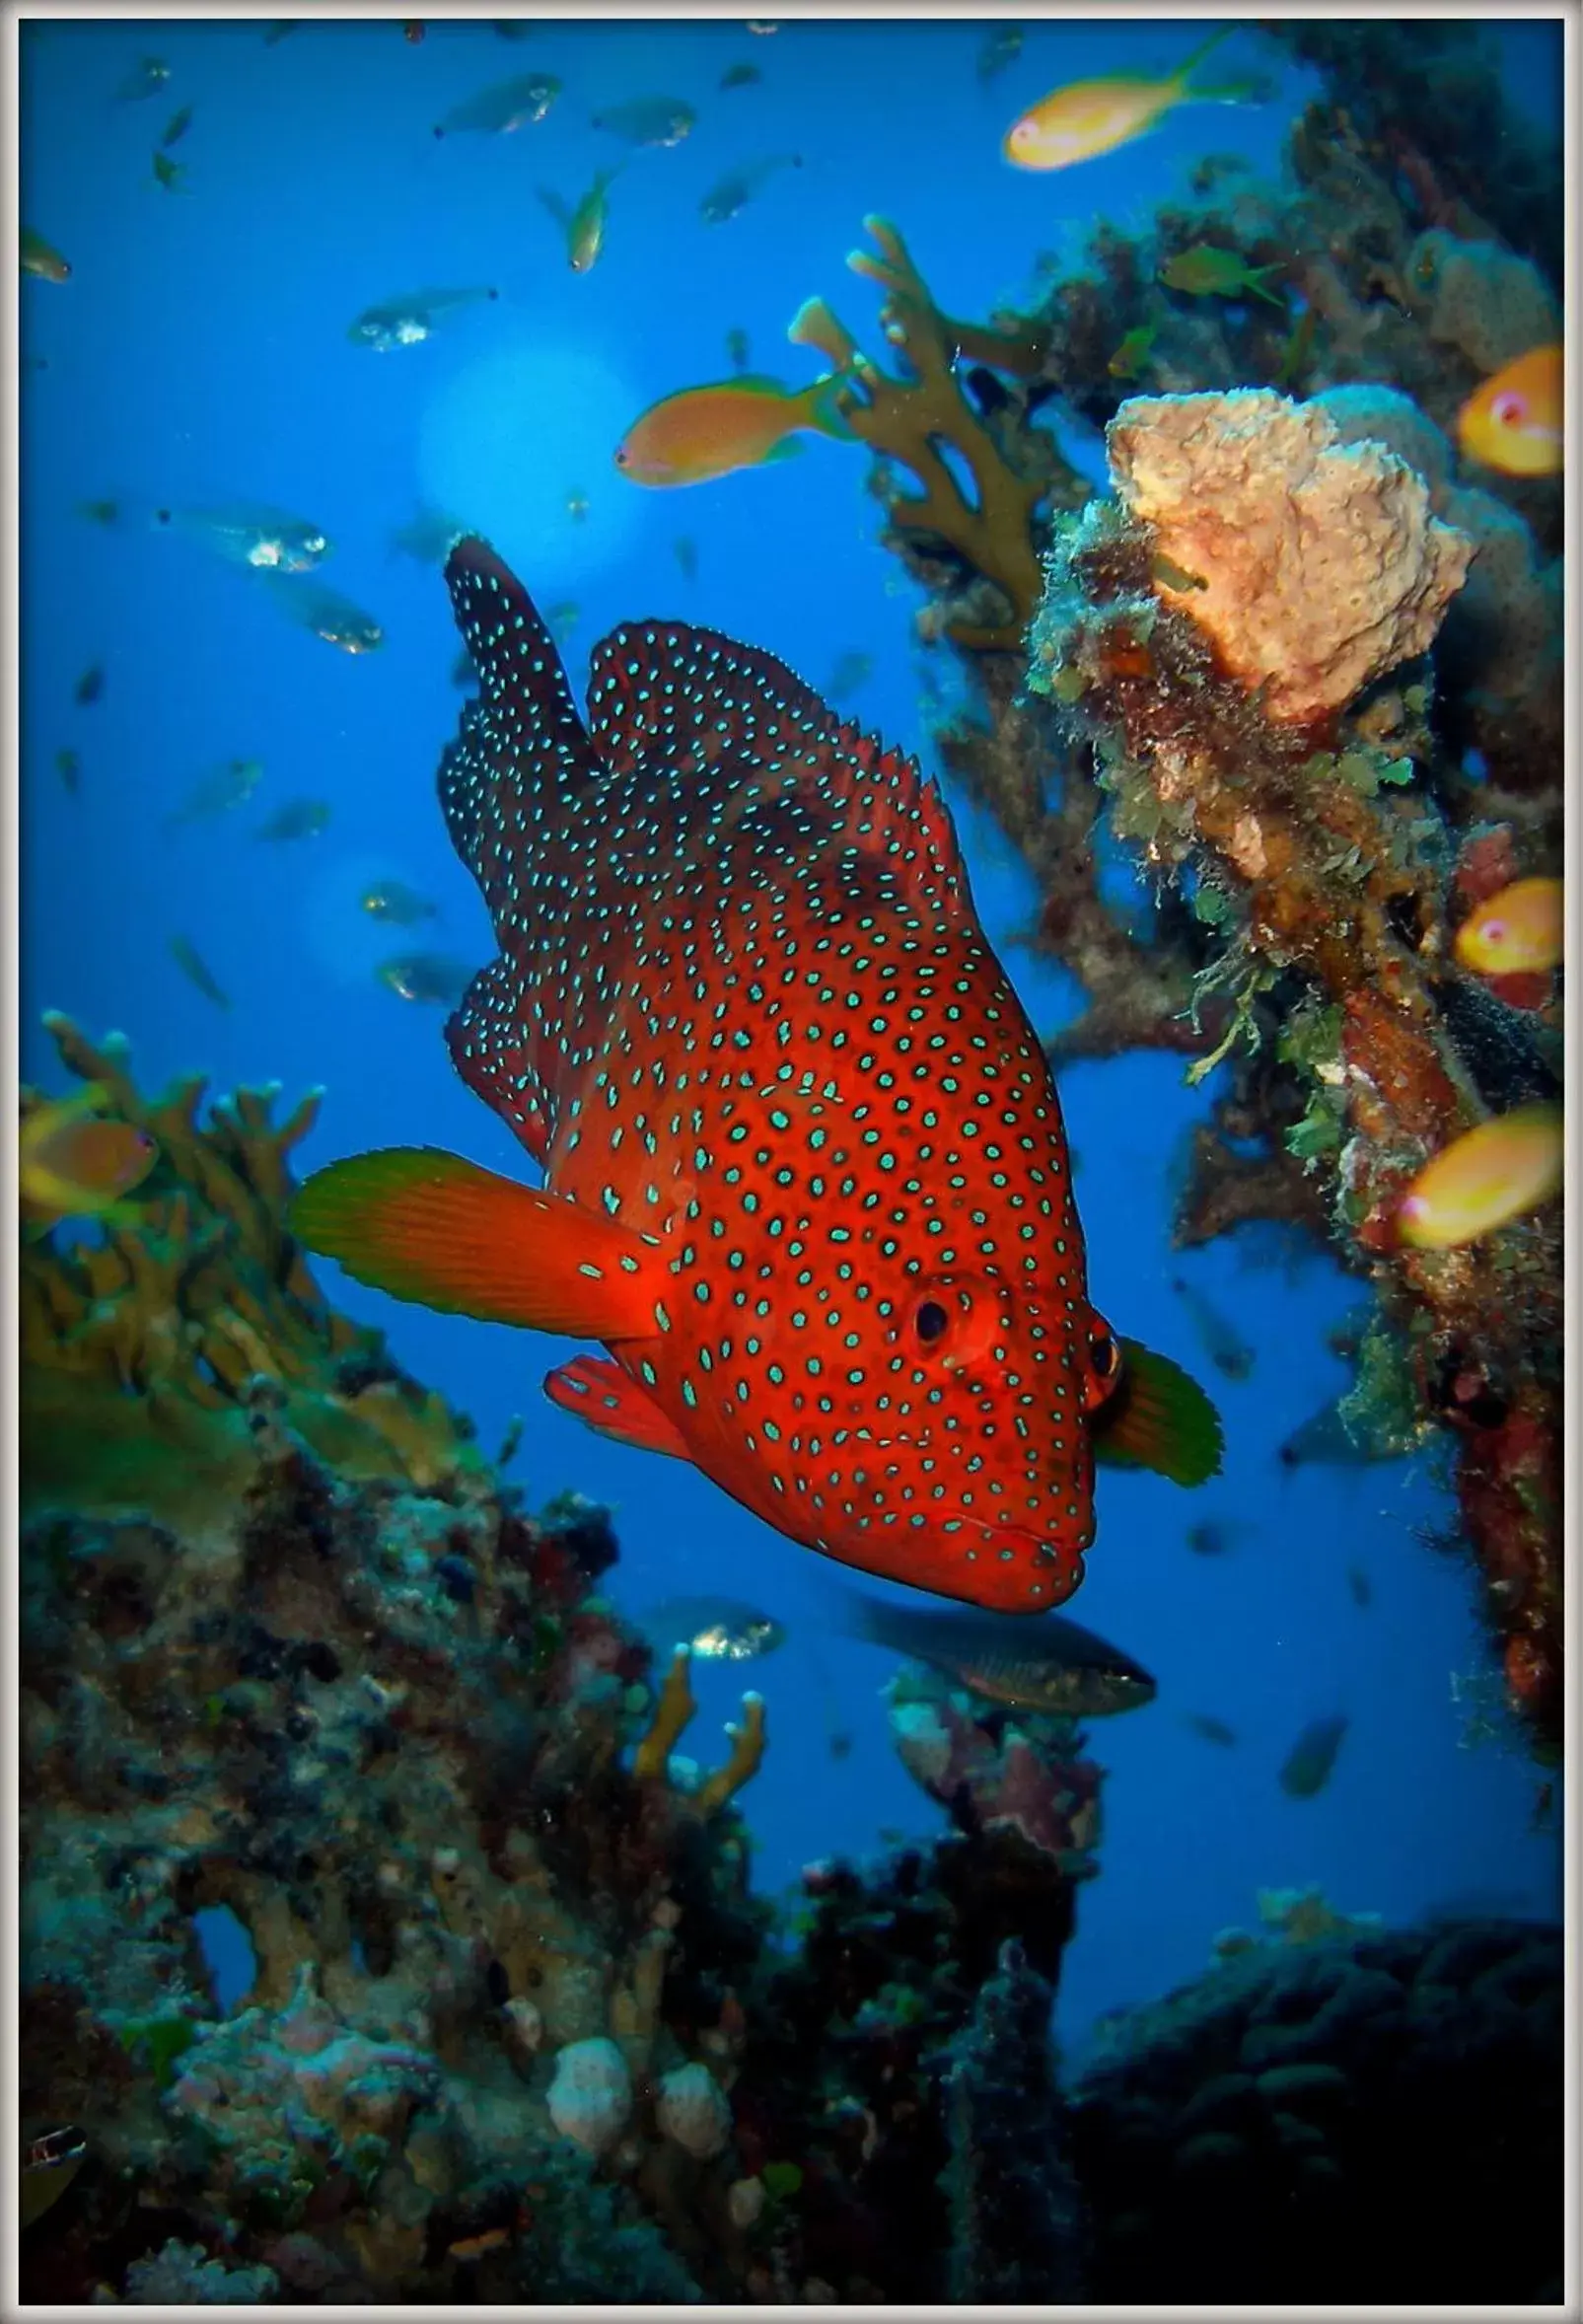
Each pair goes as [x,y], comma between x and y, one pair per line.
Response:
[1087,1130]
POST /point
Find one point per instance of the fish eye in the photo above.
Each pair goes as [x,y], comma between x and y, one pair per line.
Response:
[1104,1355]
[1104,1364]
[1508,409]
[621,457]
[929,1321]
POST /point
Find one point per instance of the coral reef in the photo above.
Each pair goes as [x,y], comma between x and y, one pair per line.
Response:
[1370,2116]
[1301,674]
[138,1348]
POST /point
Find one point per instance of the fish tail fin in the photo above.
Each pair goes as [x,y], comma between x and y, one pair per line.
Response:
[1190,63]
[554,204]
[1256,282]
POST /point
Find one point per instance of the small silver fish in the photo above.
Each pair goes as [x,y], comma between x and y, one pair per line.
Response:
[648,120]
[1030,1662]
[299,818]
[426,977]
[733,191]
[332,617]
[1307,1766]
[146,79]
[1226,1349]
[412,317]
[196,971]
[1212,1730]
[717,1629]
[230,786]
[503,107]
[1324,1441]
[428,537]
[244,534]
[394,901]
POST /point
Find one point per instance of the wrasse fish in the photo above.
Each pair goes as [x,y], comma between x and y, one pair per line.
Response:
[700,433]
[1133,352]
[1518,931]
[73,1164]
[1052,1665]
[1513,422]
[804,1168]
[1499,1171]
[1089,117]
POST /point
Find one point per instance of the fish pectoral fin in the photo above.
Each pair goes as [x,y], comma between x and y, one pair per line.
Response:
[1159,1418]
[428,1226]
[600,1393]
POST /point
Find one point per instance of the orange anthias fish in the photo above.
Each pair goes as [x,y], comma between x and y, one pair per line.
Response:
[700,433]
[804,1169]
[1513,422]
[1501,1170]
[1090,117]
[71,1164]
[1518,931]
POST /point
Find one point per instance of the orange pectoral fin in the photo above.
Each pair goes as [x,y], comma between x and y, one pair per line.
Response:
[1158,1418]
[600,1393]
[428,1226]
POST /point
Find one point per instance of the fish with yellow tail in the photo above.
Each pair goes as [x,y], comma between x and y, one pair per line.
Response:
[1090,117]
[701,434]
[804,1171]
[1500,1171]
[1514,422]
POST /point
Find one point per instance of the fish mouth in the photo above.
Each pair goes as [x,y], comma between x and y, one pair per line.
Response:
[1013,1569]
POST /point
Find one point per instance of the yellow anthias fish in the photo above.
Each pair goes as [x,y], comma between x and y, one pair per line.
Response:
[704,432]
[1500,1171]
[1516,934]
[72,1164]
[1089,117]
[1513,422]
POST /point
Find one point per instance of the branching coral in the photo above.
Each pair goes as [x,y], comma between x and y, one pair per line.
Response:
[139,1344]
[673,1713]
[922,419]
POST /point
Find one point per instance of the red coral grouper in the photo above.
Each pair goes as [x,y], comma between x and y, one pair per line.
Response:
[804,1170]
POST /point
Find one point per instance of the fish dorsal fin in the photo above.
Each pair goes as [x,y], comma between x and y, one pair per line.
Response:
[520,744]
[728,737]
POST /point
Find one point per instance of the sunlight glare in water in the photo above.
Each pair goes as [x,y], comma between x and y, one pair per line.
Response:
[516,436]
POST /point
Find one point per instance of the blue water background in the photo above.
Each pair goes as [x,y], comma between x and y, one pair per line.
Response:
[199,354]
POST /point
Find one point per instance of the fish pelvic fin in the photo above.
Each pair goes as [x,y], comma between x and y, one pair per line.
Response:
[600,1393]
[430,1227]
[1182,76]
[826,408]
[1159,1418]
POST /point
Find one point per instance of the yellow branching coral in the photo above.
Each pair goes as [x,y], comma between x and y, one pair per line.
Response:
[139,1340]
[917,419]
[673,1713]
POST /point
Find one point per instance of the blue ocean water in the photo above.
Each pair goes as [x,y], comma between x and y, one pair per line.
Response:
[199,355]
